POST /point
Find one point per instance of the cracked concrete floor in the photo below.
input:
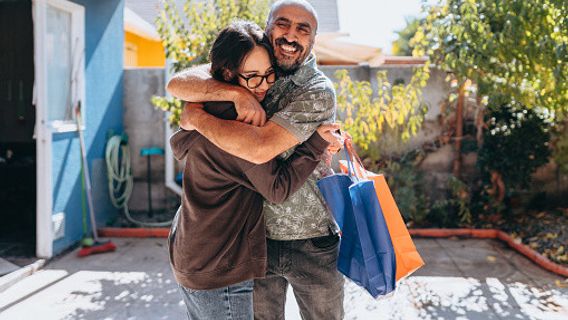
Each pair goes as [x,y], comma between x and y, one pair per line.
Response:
[462,279]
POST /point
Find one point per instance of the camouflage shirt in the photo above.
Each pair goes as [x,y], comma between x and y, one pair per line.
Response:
[300,102]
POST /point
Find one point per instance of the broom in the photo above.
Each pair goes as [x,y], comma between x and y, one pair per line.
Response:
[95,245]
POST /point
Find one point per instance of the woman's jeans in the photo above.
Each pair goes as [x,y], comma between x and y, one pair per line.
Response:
[232,303]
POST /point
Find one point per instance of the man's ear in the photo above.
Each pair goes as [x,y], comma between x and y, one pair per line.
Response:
[228,75]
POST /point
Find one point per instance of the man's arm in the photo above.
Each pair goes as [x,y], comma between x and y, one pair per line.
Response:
[287,128]
[197,85]
[254,144]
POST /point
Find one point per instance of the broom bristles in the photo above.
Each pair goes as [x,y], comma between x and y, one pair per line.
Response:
[97,248]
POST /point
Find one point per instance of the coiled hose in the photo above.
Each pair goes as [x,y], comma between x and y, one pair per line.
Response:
[120,181]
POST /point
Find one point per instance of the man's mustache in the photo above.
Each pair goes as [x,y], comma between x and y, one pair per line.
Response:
[294,44]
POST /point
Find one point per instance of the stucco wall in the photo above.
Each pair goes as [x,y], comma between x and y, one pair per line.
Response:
[437,165]
[145,128]
[104,38]
[434,94]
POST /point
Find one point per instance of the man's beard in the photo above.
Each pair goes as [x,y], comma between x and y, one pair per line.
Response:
[287,64]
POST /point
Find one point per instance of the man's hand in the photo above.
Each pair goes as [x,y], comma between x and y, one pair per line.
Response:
[189,114]
[249,109]
[196,85]
[335,149]
[329,132]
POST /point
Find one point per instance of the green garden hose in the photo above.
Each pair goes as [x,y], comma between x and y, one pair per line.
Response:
[120,181]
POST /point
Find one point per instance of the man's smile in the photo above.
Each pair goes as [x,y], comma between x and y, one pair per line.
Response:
[289,49]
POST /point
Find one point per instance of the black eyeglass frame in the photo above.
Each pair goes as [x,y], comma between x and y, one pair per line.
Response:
[264,78]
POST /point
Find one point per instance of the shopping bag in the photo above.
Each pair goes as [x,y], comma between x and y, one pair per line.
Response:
[408,259]
[366,254]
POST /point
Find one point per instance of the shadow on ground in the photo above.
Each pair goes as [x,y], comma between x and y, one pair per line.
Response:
[463,279]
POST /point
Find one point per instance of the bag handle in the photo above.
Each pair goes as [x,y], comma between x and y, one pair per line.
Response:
[359,170]
[350,167]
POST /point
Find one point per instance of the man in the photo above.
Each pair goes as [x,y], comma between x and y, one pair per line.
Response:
[302,237]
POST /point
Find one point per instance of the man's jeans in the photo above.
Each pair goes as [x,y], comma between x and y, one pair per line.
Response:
[232,303]
[310,267]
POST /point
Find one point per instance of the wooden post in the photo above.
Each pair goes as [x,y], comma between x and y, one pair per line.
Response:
[459,130]
[479,122]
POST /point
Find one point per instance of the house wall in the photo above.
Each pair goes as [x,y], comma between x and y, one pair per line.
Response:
[147,53]
[328,15]
[104,41]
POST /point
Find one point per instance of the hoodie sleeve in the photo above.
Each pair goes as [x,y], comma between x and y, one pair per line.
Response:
[181,141]
[277,179]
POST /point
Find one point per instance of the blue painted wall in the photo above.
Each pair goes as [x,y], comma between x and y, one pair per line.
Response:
[104,40]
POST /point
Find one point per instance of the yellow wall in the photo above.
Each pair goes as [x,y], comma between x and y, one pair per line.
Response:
[141,52]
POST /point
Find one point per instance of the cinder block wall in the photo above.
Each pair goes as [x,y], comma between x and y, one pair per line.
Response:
[145,128]
[437,165]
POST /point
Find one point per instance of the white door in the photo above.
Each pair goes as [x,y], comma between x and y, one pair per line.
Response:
[59,87]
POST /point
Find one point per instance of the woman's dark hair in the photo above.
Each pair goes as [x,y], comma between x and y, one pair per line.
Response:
[232,45]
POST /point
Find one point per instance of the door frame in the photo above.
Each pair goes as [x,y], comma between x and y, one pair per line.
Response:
[44,128]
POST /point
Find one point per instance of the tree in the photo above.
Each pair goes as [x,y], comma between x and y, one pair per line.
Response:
[401,46]
[511,50]
[515,144]
[187,38]
[397,110]
[514,47]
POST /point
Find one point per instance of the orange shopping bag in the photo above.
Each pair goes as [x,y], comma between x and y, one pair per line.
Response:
[408,259]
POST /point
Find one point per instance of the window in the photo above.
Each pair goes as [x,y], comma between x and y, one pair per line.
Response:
[64,48]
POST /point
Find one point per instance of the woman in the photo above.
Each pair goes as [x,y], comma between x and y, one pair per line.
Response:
[217,242]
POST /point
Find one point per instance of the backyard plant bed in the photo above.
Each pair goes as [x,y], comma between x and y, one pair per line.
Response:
[542,236]
[544,231]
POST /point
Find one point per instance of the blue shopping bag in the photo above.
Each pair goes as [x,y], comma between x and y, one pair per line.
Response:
[366,253]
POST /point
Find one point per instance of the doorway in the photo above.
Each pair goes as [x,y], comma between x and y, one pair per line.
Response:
[17,121]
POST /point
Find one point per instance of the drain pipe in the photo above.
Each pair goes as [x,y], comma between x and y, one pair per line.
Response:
[169,160]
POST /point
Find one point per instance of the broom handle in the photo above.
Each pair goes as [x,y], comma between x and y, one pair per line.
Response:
[86,175]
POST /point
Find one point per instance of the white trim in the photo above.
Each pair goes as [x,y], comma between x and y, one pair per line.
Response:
[59,126]
[44,128]
[44,194]
[64,5]
[170,178]
[133,23]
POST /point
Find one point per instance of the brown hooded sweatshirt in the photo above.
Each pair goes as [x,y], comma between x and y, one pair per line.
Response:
[218,237]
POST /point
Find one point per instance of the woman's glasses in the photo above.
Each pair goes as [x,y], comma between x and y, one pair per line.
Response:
[255,81]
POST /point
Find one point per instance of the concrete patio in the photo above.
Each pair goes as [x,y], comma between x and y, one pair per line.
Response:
[462,279]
